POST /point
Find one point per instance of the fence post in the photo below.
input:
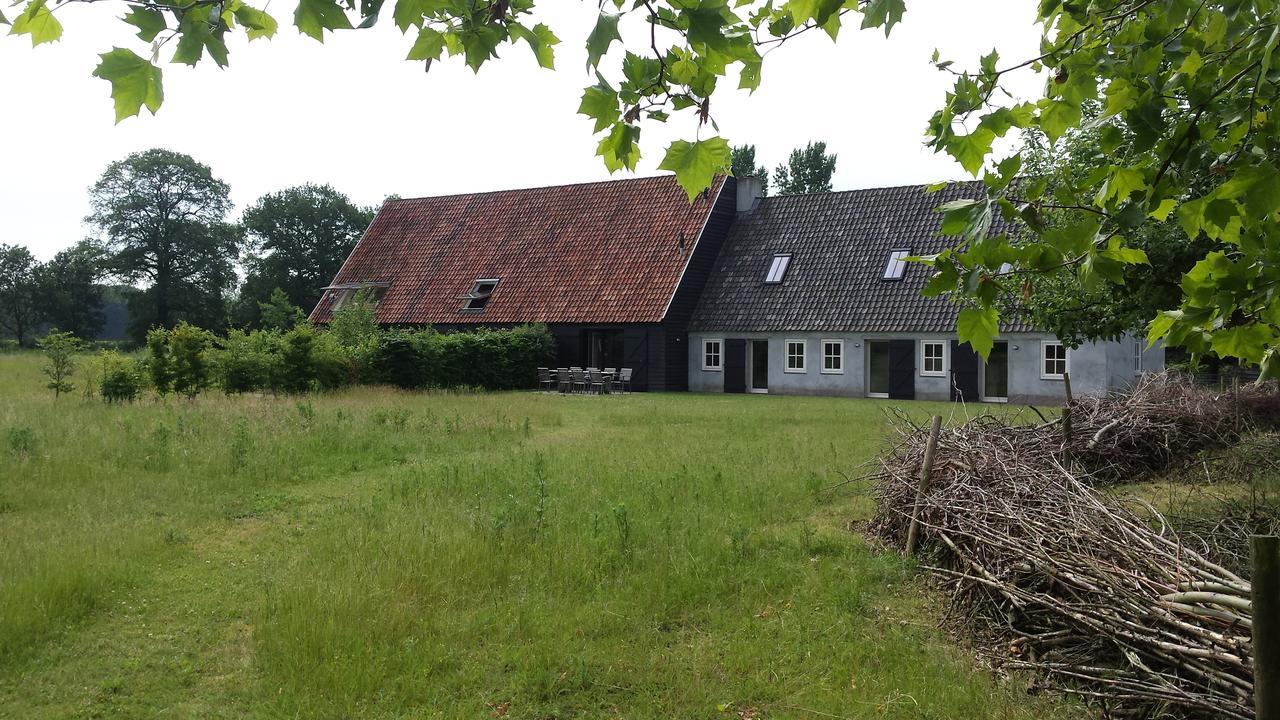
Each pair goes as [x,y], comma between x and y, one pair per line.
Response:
[926,468]
[1066,413]
[1266,626]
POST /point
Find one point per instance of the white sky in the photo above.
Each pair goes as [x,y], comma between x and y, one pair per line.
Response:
[354,114]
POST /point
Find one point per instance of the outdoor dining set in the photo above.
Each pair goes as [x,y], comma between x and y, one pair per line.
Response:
[585,380]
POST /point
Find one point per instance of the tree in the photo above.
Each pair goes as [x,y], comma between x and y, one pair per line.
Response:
[1191,86]
[19,312]
[808,170]
[69,292]
[280,314]
[744,165]
[161,216]
[299,238]
[60,362]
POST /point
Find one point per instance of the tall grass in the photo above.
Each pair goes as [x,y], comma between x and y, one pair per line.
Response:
[382,554]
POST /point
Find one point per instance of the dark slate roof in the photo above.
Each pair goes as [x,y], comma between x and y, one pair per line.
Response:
[603,252]
[839,244]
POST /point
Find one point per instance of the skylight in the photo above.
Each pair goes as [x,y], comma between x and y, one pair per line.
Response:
[778,269]
[479,295]
[897,264]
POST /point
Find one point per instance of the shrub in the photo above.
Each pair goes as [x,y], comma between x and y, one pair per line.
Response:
[187,345]
[298,369]
[159,360]
[60,363]
[333,365]
[355,328]
[406,359]
[247,362]
[120,379]
[494,359]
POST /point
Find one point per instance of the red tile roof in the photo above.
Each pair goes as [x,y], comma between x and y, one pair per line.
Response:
[604,252]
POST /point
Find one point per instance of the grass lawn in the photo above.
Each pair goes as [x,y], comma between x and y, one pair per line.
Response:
[376,554]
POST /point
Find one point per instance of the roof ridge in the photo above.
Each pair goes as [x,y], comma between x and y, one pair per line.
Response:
[617,181]
[854,191]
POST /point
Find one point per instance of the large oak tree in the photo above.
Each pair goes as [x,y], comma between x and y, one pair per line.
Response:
[162,219]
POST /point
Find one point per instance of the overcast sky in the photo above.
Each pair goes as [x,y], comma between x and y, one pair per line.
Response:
[353,114]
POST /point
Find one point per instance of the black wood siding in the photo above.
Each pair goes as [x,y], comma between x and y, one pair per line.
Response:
[697,270]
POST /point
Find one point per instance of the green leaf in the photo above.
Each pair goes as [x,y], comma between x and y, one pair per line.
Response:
[620,148]
[601,37]
[696,164]
[428,46]
[149,22]
[257,23]
[971,150]
[541,40]
[883,13]
[1247,342]
[134,82]
[1057,116]
[480,44]
[409,13]
[1122,183]
[3,20]
[600,103]
[313,17]
[1158,328]
[37,21]
[978,327]
[1192,64]
[1166,207]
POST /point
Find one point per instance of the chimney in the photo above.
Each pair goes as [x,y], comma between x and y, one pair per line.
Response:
[750,190]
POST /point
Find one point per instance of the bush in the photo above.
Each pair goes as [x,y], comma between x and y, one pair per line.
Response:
[247,362]
[484,358]
[159,360]
[120,379]
[298,369]
[187,345]
[406,359]
[333,365]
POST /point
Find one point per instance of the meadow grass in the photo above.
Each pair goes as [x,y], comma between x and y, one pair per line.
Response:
[378,554]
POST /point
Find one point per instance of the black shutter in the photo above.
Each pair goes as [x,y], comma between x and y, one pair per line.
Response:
[735,366]
[964,372]
[902,369]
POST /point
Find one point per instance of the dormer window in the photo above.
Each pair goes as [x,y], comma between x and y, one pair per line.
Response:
[479,295]
[896,265]
[777,269]
[340,295]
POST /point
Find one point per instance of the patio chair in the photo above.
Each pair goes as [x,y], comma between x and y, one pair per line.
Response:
[545,381]
[579,379]
[625,380]
[564,381]
[595,381]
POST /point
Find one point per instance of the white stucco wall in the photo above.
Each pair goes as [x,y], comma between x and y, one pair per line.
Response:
[1095,368]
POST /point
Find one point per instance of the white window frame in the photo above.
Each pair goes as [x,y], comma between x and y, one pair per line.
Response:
[778,267]
[719,353]
[896,266]
[1044,357]
[924,359]
[839,356]
[786,355]
[1139,346]
[475,294]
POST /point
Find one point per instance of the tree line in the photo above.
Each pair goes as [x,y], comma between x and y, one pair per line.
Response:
[161,235]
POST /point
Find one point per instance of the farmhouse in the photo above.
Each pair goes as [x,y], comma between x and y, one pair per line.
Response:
[807,294]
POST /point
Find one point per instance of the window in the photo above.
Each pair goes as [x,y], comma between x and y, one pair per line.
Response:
[897,264]
[778,269]
[1053,360]
[833,357]
[933,359]
[1137,355]
[711,355]
[795,356]
[479,295]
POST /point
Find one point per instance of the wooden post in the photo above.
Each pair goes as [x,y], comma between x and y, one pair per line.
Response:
[1266,626]
[1235,397]
[1066,413]
[926,468]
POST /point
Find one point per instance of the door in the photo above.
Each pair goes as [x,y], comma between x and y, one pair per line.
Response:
[878,368]
[995,375]
[902,369]
[604,349]
[760,366]
[735,366]
[965,367]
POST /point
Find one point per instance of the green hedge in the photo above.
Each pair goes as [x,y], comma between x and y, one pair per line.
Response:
[490,359]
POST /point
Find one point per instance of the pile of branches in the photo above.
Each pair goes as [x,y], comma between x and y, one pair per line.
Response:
[1102,598]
